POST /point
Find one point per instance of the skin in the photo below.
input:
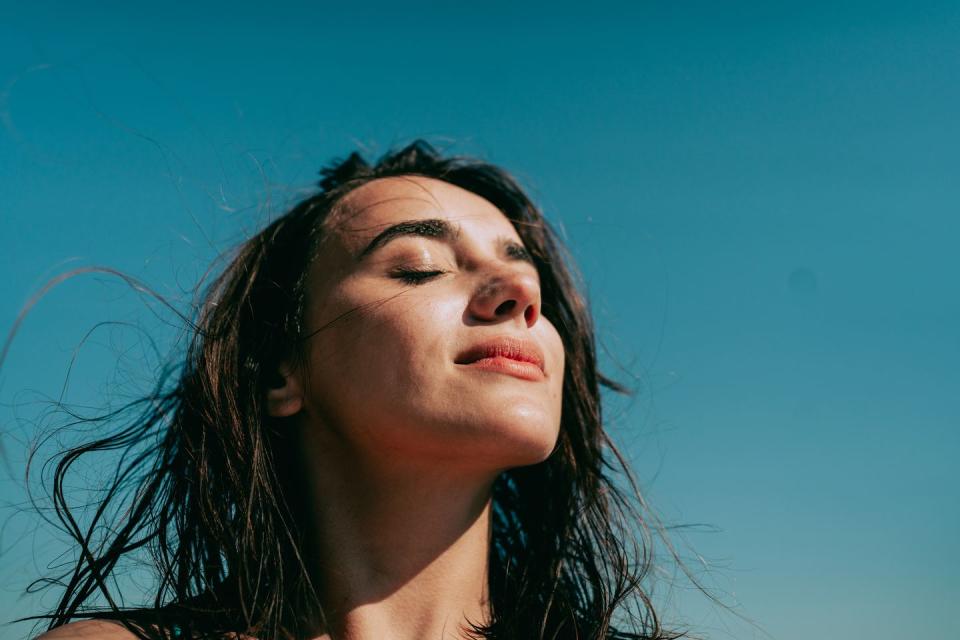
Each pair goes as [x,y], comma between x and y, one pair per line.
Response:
[383,379]
[403,444]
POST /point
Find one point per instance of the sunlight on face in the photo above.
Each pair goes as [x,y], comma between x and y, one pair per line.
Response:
[413,277]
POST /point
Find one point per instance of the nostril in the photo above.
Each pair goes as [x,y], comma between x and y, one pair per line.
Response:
[530,314]
[506,307]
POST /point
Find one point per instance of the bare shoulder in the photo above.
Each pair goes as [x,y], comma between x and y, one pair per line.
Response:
[89,630]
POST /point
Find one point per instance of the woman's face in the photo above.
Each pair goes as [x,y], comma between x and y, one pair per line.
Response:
[429,345]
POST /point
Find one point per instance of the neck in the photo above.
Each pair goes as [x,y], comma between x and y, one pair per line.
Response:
[400,552]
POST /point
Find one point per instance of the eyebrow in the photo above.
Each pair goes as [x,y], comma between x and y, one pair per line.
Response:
[437,229]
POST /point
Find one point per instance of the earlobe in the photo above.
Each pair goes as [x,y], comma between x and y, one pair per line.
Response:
[285,395]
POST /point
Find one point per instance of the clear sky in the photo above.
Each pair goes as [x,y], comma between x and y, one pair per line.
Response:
[763,199]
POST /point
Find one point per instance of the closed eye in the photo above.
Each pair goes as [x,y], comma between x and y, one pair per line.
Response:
[415,276]
[518,252]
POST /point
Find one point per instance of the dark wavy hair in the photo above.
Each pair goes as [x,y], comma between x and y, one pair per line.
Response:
[207,482]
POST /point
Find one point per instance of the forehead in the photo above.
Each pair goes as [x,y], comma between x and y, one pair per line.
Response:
[367,210]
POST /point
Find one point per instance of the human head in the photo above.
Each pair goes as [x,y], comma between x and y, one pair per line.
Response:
[260,312]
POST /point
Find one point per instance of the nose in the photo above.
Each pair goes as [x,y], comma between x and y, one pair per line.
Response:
[507,295]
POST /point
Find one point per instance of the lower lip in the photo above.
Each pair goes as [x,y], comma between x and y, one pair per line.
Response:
[524,370]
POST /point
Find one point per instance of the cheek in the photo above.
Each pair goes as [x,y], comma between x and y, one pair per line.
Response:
[383,354]
[554,344]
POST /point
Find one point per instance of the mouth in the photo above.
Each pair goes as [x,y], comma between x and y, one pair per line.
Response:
[506,354]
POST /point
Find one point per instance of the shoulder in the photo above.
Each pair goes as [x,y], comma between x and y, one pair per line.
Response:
[89,630]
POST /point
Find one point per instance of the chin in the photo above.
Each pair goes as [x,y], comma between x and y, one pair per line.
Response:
[527,444]
[536,456]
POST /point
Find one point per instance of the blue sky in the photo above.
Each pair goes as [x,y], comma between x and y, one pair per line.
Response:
[762,199]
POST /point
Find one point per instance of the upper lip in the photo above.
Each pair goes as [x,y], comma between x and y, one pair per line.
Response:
[504,347]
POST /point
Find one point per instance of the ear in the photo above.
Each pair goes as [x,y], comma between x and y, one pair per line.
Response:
[285,395]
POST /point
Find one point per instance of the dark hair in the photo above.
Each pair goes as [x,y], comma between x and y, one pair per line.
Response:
[206,481]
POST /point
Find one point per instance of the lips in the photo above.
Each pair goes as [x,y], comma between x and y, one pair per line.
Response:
[507,347]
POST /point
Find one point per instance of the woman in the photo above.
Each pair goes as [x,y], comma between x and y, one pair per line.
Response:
[388,425]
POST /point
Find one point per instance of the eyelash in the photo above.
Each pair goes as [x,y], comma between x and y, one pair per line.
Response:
[519,252]
[416,276]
